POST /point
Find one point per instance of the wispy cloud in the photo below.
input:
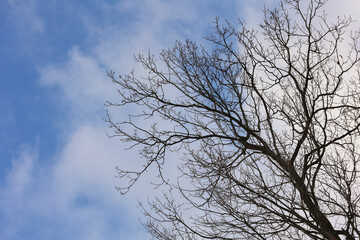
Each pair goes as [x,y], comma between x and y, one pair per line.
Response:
[81,80]
[16,187]
[76,195]
[24,14]
[27,25]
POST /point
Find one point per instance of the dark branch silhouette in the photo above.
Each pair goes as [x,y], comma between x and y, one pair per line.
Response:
[268,123]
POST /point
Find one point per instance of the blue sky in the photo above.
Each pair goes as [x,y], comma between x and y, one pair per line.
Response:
[57,173]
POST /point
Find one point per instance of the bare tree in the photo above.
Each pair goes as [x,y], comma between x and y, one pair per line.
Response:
[267,123]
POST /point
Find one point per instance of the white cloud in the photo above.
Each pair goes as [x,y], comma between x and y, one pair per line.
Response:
[20,175]
[83,184]
[82,81]
[87,164]
[77,191]
[16,186]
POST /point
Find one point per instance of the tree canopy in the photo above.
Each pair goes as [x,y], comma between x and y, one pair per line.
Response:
[267,122]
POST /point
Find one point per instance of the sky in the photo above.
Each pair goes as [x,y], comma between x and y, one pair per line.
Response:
[57,165]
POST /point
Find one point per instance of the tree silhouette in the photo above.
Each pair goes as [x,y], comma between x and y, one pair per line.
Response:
[267,123]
